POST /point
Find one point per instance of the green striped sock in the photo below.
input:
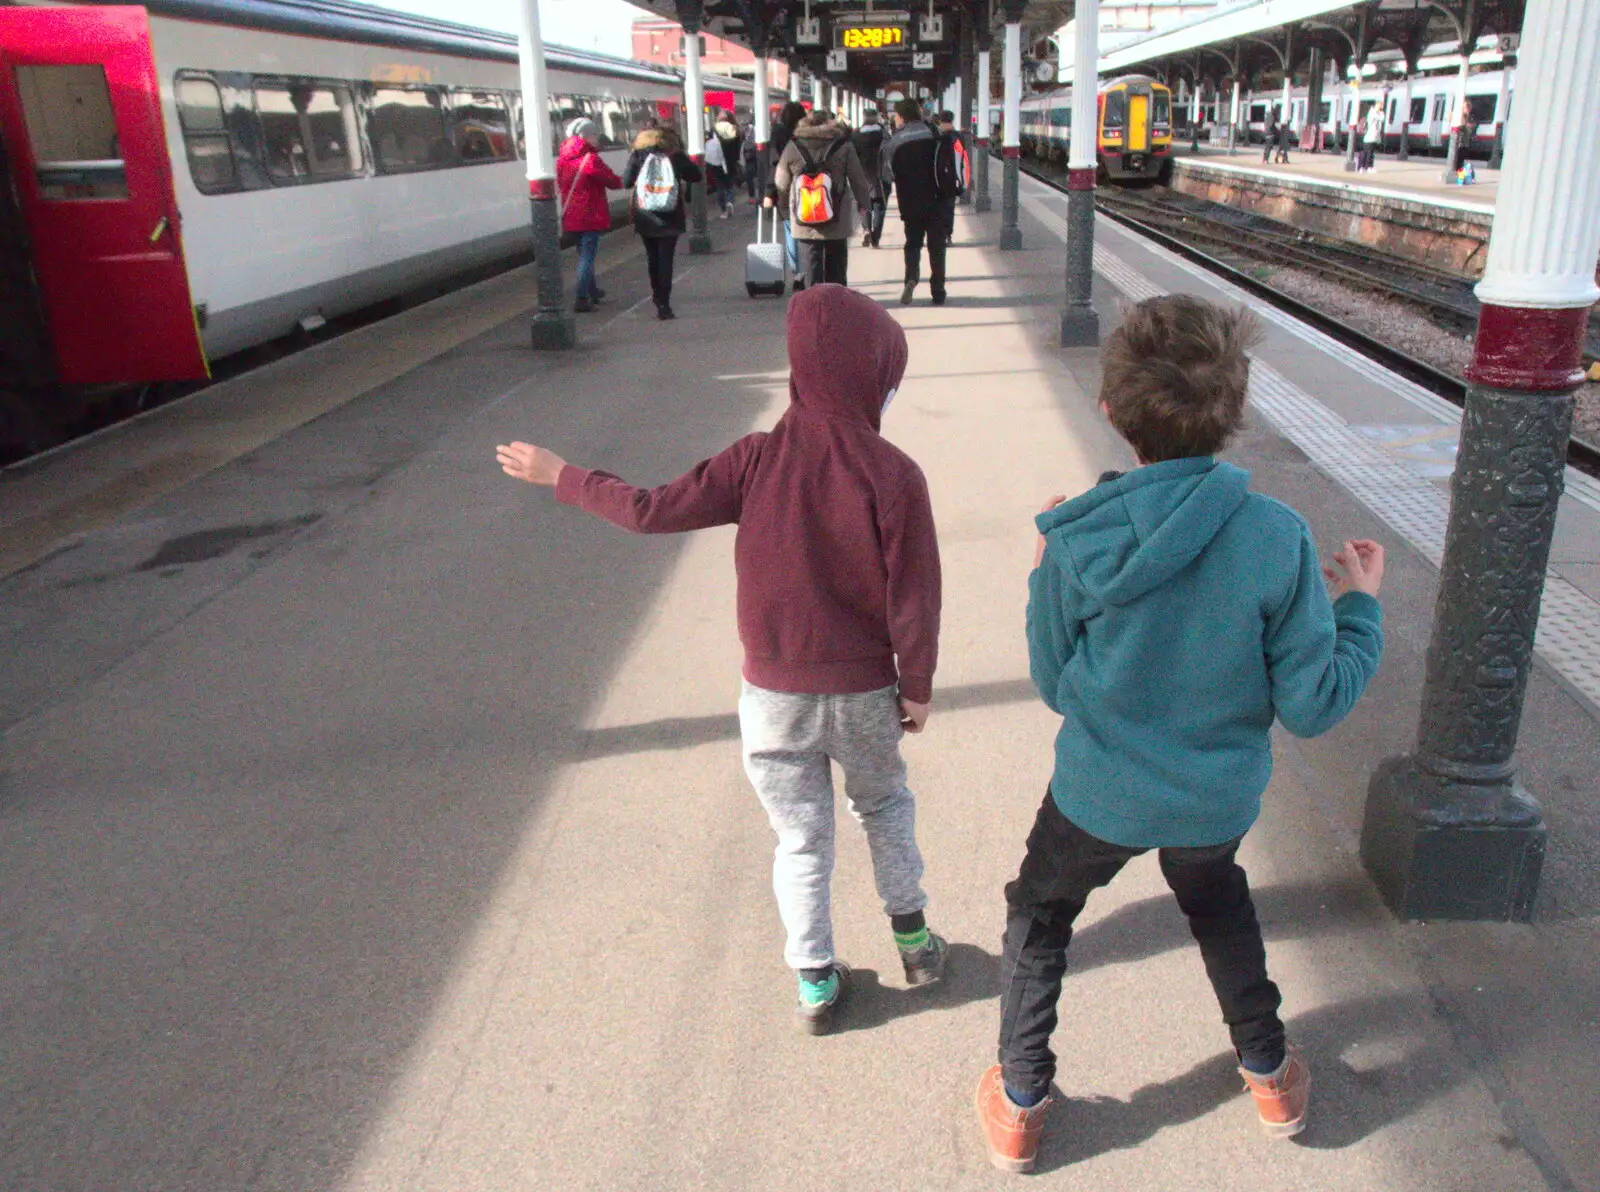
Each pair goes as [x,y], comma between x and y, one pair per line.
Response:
[819,993]
[911,941]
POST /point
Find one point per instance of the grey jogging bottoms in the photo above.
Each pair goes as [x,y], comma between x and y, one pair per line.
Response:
[790,742]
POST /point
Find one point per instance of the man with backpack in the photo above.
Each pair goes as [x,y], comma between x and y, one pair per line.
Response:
[958,166]
[868,140]
[817,176]
[924,178]
[657,172]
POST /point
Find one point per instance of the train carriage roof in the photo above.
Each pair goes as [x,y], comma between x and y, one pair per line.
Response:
[345,20]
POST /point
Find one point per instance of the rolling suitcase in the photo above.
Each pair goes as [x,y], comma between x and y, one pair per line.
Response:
[766,264]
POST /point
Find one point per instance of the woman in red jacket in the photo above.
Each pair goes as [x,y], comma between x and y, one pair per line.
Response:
[583,179]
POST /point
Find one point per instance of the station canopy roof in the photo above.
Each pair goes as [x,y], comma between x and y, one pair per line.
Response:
[868,45]
[1259,37]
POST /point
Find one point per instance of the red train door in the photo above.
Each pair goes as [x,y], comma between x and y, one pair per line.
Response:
[80,111]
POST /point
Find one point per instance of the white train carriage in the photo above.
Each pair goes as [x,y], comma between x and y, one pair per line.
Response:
[193,177]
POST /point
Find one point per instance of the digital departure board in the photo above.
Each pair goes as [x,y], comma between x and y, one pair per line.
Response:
[870,37]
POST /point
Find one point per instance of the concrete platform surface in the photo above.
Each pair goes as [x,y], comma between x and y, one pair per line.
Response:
[368,821]
[1416,177]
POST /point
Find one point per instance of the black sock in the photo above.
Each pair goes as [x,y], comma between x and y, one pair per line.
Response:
[905,924]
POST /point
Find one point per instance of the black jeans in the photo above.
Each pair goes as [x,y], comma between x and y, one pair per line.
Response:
[875,214]
[824,260]
[935,228]
[658,253]
[1063,864]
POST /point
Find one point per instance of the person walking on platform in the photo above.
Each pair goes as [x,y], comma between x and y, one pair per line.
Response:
[1165,741]
[869,148]
[657,172]
[1270,140]
[924,181]
[751,162]
[837,566]
[583,178]
[1285,131]
[731,143]
[789,117]
[1371,139]
[958,167]
[817,176]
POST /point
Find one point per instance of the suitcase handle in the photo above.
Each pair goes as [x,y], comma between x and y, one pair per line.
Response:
[761,222]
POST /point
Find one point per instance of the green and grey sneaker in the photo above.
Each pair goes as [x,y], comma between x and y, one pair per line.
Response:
[925,961]
[816,1004]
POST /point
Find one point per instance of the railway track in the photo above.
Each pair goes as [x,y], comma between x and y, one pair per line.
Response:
[1210,240]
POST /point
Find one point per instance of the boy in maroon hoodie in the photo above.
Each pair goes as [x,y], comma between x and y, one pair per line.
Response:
[838,573]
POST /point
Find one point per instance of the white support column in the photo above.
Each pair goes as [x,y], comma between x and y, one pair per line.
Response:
[1288,99]
[1460,130]
[816,92]
[1352,146]
[1233,117]
[554,326]
[958,89]
[1080,325]
[762,101]
[1010,227]
[1404,122]
[1502,101]
[1450,831]
[694,122]
[980,165]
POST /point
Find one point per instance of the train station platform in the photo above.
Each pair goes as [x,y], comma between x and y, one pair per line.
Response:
[1403,207]
[372,822]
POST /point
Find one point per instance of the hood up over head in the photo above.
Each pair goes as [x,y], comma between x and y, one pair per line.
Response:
[846,355]
[1132,534]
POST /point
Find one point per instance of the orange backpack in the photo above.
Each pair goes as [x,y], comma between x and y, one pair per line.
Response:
[811,197]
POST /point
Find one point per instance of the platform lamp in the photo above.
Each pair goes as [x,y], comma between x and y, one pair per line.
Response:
[554,325]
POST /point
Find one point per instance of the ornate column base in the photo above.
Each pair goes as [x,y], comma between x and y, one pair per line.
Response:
[554,326]
[1404,152]
[1010,231]
[1498,153]
[980,201]
[699,232]
[1443,848]
[1449,174]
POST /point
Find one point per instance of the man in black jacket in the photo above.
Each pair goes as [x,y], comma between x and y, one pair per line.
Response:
[922,178]
[869,148]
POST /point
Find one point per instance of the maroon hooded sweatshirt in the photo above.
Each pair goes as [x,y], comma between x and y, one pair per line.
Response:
[837,560]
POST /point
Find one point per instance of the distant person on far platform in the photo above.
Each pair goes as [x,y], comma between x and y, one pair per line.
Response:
[751,162]
[582,178]
[1371,139]
[819,180]
[1285,131]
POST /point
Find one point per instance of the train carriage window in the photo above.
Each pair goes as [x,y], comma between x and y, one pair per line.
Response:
[206,142]
[1116,113]
[407,128]
[72,131]
[1439,102]
[308,131]
[1324,111]
[1480,109]
[481,125]
[1419,111]
[1162,109]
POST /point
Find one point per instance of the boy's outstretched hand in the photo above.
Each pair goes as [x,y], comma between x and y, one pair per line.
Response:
[524,461]
[914,716]
[1038,549]
[1359,568]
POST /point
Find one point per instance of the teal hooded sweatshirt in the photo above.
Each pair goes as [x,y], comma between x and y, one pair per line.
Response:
[1174,616]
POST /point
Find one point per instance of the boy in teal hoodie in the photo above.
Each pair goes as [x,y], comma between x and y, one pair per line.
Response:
[1173,615]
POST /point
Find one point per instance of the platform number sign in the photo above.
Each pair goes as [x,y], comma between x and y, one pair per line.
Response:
[922,61]
[838,60]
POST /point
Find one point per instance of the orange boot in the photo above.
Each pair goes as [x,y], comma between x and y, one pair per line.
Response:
[1282,1097]
[1010,1132]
